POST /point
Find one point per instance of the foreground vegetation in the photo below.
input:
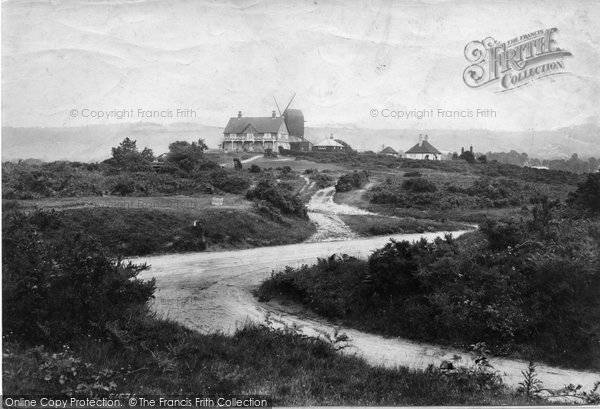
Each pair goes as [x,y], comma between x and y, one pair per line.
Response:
[163,358]
[75,323]
[527,287]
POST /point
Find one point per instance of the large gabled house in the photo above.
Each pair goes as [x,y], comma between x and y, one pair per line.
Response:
[423,150]
[256,134]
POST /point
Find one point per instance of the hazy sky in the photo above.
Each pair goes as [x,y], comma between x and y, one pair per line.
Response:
[342,58]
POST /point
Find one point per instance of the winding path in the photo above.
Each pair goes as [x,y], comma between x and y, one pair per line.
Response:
[211,292]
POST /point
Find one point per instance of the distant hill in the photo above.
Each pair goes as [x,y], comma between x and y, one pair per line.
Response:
[93,143]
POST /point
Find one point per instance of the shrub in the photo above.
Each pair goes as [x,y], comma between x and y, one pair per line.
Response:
[54,290]
[228,181]
[254,169]
[122,185]
[587,195]
[468,156]
[351,181]
[186,156]
[282,199]
[322,180]
[419,185]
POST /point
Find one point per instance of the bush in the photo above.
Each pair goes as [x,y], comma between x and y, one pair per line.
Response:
[54,290]
[351,181]
[587,195]
[282,199]
[322,180]
[254,169]
[419,185]
[227,181]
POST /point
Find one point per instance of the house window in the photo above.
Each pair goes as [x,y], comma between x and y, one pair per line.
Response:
[232,135]
[267,135]
[250,135]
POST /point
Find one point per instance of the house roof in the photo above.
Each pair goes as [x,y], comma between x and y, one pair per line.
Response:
[329,142]
[253,124]
[423,147]
[389,150]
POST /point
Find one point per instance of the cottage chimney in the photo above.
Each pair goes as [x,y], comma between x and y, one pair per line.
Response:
[426,137]
[471,148]
[239,114]
[273,114]
[420,139]
[462,150]
[330,136]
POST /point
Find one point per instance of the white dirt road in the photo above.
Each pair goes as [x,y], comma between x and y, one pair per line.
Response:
[324,213]
[211,292]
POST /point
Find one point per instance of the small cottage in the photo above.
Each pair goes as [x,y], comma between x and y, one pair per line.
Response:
[328,145]
[389,151]
[423,150]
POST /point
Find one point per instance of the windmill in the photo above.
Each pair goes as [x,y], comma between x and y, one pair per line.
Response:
[294,119]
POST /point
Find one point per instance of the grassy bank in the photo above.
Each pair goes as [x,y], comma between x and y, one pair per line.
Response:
[151,356]
[136,232]
[371,225]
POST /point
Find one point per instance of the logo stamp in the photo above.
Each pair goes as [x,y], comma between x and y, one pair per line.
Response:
[516,62]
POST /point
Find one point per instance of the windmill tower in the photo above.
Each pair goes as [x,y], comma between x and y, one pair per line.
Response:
[294,119]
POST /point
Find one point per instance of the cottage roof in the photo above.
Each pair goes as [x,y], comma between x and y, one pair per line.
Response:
[329,142]
[253,124]
[389,150]
[423,147]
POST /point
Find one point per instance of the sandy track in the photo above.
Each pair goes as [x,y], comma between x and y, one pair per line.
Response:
[324,213]
[211,292]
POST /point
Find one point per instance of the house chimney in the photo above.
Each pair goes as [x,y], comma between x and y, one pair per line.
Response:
[420,139]
[273,114]
[330,136]
[426,137]
[462,150]
[239,114]
[471,148]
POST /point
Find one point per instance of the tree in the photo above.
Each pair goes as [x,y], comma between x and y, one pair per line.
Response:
[468,156]
[482,159]
[127,147]
[185,155]
[127,157]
